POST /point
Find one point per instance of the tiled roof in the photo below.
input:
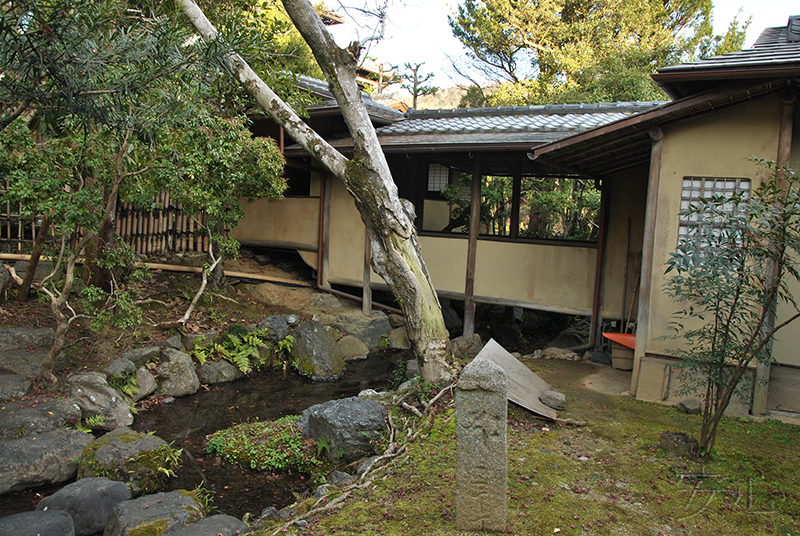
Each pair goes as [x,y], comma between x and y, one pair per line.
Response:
[775,53]
[503,126]
[771,49]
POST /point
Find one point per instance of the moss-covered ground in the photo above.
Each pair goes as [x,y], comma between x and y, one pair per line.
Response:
[605,478]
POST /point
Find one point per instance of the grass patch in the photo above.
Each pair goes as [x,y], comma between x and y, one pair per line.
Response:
[268,446]
[607,478]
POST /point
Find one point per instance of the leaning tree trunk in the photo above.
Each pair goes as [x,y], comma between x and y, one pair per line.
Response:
[395,249]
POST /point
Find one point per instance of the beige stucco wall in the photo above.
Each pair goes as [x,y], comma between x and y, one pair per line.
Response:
[716,145]
[446,259]
[627,193]
[544,275]
[346,251]
[291,222]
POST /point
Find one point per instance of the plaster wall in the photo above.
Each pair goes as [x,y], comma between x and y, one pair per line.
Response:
[347,232]
[549,275]
[715,145]
[292,222]
[627,193]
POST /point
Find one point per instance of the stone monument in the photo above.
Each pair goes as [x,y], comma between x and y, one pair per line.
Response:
[481,448]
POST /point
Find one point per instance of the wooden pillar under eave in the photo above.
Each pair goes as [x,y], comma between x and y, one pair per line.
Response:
[366,292]
[474,229]
[789,101]
[646,278]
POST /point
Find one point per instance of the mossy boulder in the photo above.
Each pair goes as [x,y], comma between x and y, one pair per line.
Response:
[317,355]
[154,515]
[143,462]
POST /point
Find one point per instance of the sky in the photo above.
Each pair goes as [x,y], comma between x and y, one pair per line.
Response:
[417,31]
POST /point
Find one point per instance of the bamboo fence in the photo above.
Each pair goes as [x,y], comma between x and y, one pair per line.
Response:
[161,228]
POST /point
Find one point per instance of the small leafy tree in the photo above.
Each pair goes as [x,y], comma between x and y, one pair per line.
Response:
[416,82]
[730,272]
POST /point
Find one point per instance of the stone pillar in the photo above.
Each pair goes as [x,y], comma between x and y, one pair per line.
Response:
[481,448]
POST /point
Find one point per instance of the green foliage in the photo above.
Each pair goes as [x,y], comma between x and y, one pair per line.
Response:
[729,273]
[267,446]
[163,461]
[246,350]
[140,106]
[86,426]
[125,383]
[416,82]
[550,208]
[574,51]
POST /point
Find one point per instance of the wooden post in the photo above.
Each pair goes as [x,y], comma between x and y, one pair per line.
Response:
[324,260]
[474,229]
[366,292]
[761,387]
[516,193]
[643,317]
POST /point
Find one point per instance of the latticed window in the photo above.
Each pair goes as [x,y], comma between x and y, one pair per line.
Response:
[697,188]
[438,177]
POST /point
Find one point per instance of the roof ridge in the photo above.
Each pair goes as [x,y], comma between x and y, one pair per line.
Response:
[537,109]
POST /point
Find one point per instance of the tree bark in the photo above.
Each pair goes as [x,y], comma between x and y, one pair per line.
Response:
[396,252]
[33,263]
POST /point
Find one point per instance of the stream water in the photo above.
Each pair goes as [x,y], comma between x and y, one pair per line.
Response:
[262,396]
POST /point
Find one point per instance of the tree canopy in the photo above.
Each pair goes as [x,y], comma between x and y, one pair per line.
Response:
[110,100]
[551,51]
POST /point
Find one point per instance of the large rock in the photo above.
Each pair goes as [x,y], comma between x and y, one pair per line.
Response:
[28,361]
[352,348]
[126,456]
[22,350]
[191,341]
[277,327]
[146,384]
[575,335]
[96,398]
[88,501]
[18,420]
[11,338]
[679,444]
[212,372]
[120,367]
[318,357]
[41,459]
[43,269]
[176,375]
[398,339]
[157,514]
[140,356]
[466,347]
[38,523]
[349,426]
[218,525]
[369,329]
[452,320]
[14,386]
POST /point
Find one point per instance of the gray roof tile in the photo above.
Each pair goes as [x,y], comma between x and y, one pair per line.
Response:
[772,49]
[502,121]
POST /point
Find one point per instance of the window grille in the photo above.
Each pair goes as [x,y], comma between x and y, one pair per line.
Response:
[697,188]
